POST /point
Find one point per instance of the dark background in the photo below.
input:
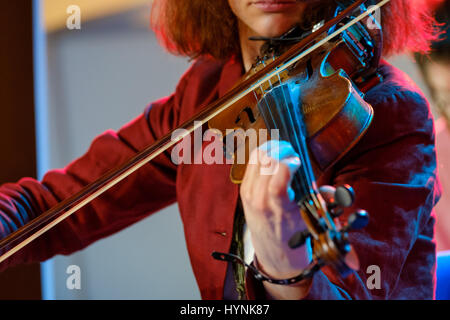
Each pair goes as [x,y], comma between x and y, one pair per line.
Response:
[17,127]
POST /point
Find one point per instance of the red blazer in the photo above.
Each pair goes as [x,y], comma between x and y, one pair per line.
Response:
[392,169]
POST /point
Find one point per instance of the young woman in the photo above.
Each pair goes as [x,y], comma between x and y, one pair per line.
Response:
[392,169]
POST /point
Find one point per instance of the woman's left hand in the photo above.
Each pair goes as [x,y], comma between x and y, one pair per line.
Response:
[272,216]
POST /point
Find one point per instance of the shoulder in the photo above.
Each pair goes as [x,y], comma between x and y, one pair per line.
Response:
[399,145]
[401,134]
[399,105]
[202,75]
[198,87]
[396,85]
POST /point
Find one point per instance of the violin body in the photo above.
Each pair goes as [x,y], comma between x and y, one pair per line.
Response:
[335,113]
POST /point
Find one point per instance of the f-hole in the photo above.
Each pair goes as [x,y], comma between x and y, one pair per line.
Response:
[249,113]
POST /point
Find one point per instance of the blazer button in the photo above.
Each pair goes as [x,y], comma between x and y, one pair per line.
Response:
[223,234]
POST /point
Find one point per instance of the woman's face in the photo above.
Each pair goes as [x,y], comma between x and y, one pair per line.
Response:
[268,18]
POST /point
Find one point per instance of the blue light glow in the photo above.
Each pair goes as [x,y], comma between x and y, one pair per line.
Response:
[41,119]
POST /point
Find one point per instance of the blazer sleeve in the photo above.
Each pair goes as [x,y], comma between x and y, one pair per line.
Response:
[149,189]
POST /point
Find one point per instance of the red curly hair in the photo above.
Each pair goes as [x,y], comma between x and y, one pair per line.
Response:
[197,28]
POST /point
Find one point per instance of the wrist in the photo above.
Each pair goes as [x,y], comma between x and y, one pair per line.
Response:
[291,291]
[296,291]
[286,264]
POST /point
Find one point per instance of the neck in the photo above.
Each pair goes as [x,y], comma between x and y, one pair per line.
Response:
[249,48]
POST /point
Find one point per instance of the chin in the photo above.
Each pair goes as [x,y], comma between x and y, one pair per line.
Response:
[274,26]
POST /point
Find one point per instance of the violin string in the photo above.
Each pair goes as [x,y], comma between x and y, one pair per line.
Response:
[267,108]
[303,185]
[312,209]
[310,191]
[295,181]
[306,180]
[283,126]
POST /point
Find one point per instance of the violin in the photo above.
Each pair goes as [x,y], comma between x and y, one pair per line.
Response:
[310,89]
